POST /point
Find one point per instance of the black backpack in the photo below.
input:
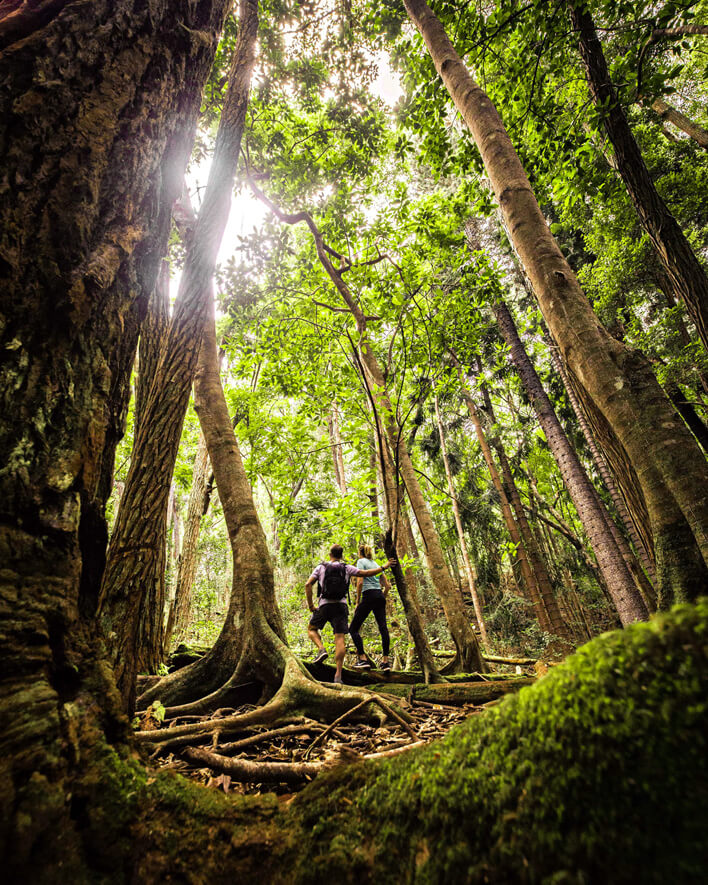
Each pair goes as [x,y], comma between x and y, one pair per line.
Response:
[335,581]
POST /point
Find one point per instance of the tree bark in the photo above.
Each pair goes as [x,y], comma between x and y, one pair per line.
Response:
[188,560]
[527,574]
[397,546]
[681,121]
[134,558]
[603,468]
[98,107]
[688,413]
[335,439]
[627,599]
[684,271]
[671,469]
[153,337]
[471,583]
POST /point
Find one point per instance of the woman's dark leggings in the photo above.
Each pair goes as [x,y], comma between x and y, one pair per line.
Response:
[370,602]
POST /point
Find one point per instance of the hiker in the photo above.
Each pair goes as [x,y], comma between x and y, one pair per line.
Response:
[333,582]
[371,596]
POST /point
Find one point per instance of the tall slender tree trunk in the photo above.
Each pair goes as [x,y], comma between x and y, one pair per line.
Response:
[98,107]
[536,559]
[469,572]
[253,631]
[374,470]
[397,546]
[668,462]
[684,271]
[627,599]
[603,468]
[468,658]
[134,557]
[688,413]
[680,121]
[187,564]
[527,574]
[335,439]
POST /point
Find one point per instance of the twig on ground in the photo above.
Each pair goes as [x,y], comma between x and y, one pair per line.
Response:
[392,713]
[321,737]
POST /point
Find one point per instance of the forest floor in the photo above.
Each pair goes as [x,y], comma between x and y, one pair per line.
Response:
[303,744]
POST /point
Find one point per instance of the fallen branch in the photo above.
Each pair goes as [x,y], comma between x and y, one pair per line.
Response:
[395,751]
[521,662]
[456,694]
[492,659]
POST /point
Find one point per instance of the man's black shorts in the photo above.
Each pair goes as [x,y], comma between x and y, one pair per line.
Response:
[336,613]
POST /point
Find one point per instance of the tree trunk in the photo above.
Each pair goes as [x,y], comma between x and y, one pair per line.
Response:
[153,337]
[529,578]
[468,654]
[471,583]
[688,413]
[374,489]
[672,470]
[335,439]
[397,546]
[537,563]
[627,599]
[681,121]
[135,559]
[602,467]
[687,277]
[98,107]
[187,564]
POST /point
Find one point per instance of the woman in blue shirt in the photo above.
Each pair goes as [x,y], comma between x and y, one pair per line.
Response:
[371,595]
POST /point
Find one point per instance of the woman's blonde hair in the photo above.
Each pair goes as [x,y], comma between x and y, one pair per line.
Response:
[365,551]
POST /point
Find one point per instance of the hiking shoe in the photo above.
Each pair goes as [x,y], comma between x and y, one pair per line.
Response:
[362,665]
[385,665]
[321,656]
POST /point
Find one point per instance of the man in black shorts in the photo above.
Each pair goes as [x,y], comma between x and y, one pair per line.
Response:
[333,581]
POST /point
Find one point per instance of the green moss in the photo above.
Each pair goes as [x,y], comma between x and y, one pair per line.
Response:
[599,773]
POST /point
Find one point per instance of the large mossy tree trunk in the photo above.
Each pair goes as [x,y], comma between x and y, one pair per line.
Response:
[98,107]
[668,462]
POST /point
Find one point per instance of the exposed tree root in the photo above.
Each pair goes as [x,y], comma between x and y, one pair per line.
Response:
[247,771]
[299,695]
[262,736]
[257,772]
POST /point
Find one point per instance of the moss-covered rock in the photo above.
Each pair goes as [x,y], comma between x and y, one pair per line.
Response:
[599,773]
